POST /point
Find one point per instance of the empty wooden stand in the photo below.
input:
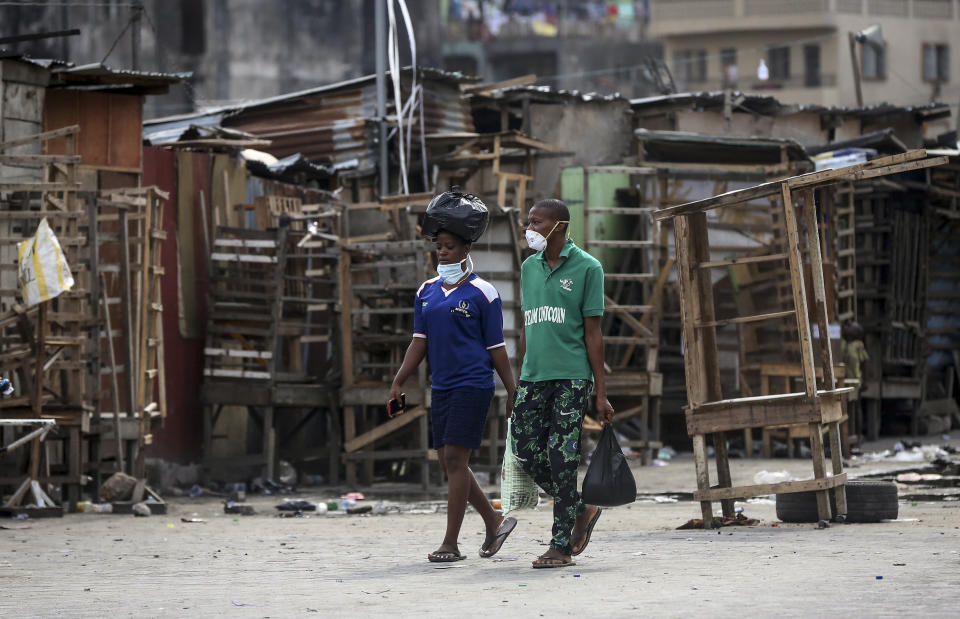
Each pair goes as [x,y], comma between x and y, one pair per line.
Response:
[707,412]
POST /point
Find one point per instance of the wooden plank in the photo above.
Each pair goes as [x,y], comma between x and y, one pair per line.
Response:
[677,167]
[634,340]
[704,312]
[738,196]
[39,137]
[628,277]
[703,476]
[253,258]
[346,320]
[634,324]
[609,210]
[222,373]
[384,429]
[799,292]
[251,243]
[403,201]
[776,398]
[819,288]
[126,305]
[39,187]
[894,164]
[613,169]
[743,492]
[819,470]
[358,241]
[685,270]
[772,188]
[836,457]
[240,354]
[15,159]
[114,380]
[744,260]
[744,319]
[756,415]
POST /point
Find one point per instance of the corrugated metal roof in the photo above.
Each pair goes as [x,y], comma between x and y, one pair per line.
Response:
[65,74]
[548,94]
[769,105]
[684,146]
[171,128]
[335,123]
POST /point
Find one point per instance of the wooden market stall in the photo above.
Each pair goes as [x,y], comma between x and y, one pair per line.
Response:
[818,406]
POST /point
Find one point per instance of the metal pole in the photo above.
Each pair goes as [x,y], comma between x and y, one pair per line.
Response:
[135,36]
[380,37]
[856,67]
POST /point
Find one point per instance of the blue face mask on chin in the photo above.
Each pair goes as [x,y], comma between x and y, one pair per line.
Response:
[454,272]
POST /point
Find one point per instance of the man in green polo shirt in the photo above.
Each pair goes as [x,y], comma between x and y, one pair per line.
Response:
[561,356]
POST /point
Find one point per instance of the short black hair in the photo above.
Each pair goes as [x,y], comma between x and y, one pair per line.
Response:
[453,234]
[557,209]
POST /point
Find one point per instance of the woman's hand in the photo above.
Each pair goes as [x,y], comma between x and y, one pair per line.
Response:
[395,394]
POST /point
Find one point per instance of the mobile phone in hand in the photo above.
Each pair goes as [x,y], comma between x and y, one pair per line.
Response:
[395,407]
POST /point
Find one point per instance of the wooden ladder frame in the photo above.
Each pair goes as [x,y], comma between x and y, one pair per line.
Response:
[644,387]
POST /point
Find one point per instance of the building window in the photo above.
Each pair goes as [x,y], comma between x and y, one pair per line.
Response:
[811,66]
[728,62]
[778,61]
[700,70]
[690,65]
[874,61]
[936,62]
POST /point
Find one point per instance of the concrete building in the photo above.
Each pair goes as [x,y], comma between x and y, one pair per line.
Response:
[804,46]
[235,49]
[592,46]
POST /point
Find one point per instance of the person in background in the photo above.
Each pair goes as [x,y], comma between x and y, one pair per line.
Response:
[854,350]
[561,353]
[458,326]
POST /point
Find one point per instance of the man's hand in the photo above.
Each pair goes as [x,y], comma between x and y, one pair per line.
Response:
[511,396]
[604,410]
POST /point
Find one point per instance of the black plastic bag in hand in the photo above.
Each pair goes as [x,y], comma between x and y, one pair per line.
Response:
[609,481]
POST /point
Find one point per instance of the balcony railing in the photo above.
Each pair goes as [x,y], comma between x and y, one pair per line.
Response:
[783,7]
[668,10]
[692,9]
[751,84]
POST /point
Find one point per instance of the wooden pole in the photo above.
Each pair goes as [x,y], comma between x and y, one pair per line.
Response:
[126,303]
[115,383]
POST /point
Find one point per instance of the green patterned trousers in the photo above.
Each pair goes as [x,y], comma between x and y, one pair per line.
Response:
[547,417]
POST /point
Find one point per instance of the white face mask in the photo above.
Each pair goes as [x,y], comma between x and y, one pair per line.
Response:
[453,273]
[537,241]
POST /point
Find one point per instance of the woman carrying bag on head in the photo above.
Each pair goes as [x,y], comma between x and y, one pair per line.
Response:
[458,326]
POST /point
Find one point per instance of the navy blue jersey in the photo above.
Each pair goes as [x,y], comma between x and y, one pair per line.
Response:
[461,326]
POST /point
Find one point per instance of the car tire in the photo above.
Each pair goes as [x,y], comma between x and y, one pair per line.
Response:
[867,501]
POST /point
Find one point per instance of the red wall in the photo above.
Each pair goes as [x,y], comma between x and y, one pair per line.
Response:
[181,437]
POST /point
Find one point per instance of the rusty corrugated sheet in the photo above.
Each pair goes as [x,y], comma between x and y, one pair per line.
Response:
[336,124]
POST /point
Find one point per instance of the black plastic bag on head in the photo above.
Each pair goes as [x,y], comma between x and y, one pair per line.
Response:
[463,214]
[609,481]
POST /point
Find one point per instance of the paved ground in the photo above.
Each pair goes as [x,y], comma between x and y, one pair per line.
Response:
[337,565]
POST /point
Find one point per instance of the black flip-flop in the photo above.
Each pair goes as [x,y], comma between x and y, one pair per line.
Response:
[445,556]
[555,563]
[586,538]
[506,528]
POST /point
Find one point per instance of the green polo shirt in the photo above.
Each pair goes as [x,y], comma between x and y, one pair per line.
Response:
[554,305]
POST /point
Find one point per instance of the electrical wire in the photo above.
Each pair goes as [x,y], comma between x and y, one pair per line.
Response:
[117,40]
[393,59]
